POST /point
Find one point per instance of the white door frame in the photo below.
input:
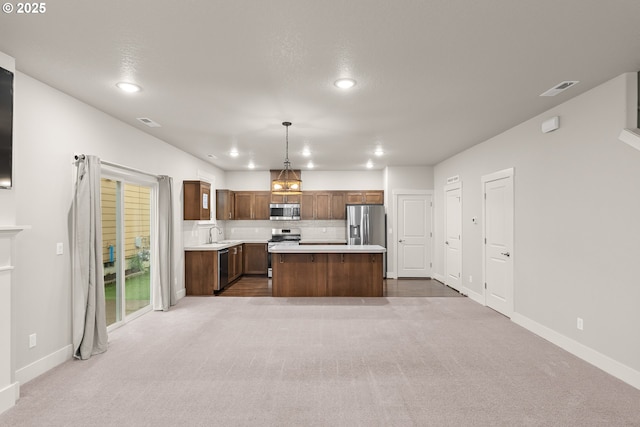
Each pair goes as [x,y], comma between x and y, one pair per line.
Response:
[392,234]
[448,187]
[504,173]
[129,177]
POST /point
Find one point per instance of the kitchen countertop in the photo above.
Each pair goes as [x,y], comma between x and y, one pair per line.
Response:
[317,249]
[223,244]
[323,241]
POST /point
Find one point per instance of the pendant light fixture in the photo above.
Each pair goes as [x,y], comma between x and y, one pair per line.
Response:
[288,182]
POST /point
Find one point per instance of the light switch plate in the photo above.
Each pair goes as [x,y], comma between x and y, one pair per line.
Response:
[59,249]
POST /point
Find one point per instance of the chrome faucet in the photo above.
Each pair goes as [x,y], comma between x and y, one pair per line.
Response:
[211,229]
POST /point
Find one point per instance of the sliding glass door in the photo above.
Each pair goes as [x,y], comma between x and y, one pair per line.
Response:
[127,212]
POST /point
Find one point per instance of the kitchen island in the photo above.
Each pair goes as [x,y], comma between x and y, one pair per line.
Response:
[327,270]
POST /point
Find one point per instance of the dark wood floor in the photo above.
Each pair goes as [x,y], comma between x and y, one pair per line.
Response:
[260,286]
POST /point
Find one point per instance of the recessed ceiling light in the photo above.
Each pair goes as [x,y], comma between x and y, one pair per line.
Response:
[251,165]
[310,165]
[369,164]
[212,156]
[306,152]
[234,152]
[345,83]
[128,87]
[379,152]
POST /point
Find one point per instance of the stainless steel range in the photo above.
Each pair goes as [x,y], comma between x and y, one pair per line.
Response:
[282,236]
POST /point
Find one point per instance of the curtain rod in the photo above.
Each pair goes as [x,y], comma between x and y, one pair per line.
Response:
[104,162]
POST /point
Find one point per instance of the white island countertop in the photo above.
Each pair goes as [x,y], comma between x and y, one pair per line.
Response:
[224,244]
[327,249]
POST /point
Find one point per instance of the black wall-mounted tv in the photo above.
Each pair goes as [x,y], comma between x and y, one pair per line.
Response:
[6,128]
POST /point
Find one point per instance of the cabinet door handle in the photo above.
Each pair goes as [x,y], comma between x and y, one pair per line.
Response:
[507,254]
[281,258]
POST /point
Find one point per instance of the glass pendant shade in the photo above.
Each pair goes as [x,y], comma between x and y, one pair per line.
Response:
[286,183]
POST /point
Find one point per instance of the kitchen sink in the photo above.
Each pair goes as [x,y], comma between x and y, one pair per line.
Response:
[215,246]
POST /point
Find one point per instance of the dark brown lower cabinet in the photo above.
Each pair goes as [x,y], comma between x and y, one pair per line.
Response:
[201,272]
[255,258]
[355,275]
[299,275]
[327,274]
[235,262]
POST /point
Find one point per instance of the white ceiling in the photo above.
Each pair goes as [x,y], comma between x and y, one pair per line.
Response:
[434,77]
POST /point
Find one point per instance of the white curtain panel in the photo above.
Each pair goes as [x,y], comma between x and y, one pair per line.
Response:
[89,321]
[164,290]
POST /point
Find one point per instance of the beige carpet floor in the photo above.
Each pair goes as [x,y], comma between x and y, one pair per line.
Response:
[326,362]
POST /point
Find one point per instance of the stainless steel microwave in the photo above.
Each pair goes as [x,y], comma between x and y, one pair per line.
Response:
[284,211]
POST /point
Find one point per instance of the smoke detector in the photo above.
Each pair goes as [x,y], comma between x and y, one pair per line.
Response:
[560,87]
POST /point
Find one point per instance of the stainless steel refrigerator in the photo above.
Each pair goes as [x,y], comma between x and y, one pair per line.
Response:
[367,225]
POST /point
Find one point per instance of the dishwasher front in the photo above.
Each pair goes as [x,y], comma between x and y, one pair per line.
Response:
[223,269]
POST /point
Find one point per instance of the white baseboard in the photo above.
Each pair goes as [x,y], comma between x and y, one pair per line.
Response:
[599,360]
[391,275]
[181,293]
[438,277]
[479,298]
[39,367]
[9,396]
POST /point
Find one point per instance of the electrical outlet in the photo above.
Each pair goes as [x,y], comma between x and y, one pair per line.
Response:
[470,279]
[580,323]
[59,249]
[32,340]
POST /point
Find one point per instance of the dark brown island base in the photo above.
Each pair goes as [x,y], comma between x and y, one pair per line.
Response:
[327,271]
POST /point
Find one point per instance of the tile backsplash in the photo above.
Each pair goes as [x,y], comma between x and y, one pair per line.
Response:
[197,232]
[310,230]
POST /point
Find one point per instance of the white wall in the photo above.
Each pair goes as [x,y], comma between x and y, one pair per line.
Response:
[342,180]
[311,180]
[576,222]
[248,181]
[398,178]
[409,178]
[50,127]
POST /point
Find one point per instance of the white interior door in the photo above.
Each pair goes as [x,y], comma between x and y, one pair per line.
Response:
[453,236]
[498,230]
[414,235]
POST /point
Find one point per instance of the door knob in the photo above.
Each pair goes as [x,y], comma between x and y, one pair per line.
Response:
[506,254]
[400,240]
[446,242]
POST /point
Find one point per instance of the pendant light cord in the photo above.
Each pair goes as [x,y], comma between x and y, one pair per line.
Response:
[287,163]
[286,159]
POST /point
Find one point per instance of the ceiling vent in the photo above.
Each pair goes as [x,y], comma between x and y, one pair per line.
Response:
[149,122]
[560,88]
